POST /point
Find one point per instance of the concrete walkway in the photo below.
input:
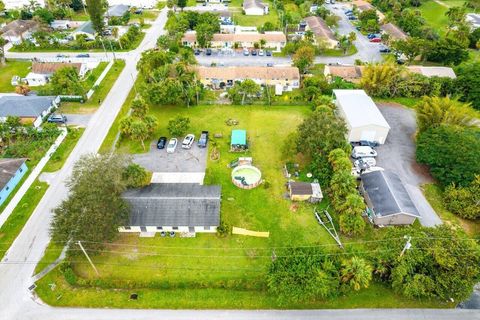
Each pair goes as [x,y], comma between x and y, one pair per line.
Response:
[31,178]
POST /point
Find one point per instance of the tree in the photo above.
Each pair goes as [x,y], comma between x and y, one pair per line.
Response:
[139,108]
[369,20]
[447,51]
[135,176]
[2,6]
[451,152]
[351,210]
[3,42]
[467,83]
[77,5]
[300,274]
[44,15]
[321,132]
[465,201]
[96,11]
[356,273]
[65,81]
[178,126]
[303,58]
[181,4]
[380,80]
[139,131]
[22,89]
[410,47]
[242,92]
[440,264]
[435,111]
[94,208]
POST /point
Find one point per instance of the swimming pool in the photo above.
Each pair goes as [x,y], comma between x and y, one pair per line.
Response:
[246,177]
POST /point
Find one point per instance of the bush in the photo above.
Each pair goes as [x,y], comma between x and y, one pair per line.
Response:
[464,201]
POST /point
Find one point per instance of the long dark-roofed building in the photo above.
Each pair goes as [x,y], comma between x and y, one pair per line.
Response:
[179,207]
[387,199]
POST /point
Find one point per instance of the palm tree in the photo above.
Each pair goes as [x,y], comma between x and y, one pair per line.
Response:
[309,36]
[435,111]
[356,273]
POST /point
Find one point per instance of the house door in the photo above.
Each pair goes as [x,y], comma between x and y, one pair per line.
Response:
[191,229]
[143,229]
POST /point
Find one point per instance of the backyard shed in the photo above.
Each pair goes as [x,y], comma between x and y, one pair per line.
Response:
[363,119]
[238,141]
[305,191]
[179,207]
[387,198]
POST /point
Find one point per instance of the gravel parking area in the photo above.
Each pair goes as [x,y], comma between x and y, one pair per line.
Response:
[398,155]
[192,160]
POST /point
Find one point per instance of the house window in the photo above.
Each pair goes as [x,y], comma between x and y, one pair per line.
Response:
[174,228]
[127,228]
[206,228]
[159,228]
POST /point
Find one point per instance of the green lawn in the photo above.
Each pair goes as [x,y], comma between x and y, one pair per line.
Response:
[100,93]
[20,215]
[257,21]
[434,13]
[12,68]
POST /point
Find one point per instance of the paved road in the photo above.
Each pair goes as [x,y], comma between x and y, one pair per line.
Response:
[15,300]
[398,155]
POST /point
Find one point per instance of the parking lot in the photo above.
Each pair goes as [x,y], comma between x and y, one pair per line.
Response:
[398,155]
[181,161]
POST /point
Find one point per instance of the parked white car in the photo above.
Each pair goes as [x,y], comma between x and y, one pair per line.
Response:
[365,163]
[261,53]
[356,172]
[172,145]
[363,151]
[188,141]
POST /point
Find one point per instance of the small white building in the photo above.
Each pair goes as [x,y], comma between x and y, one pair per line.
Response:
[43,71]
[364,120]
[255,8]
[17,31]
[178,207]
[64,24]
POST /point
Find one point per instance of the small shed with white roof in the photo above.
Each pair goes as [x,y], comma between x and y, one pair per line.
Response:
[364,121]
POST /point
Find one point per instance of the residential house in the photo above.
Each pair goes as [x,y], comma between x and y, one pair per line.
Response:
[305,191]
[254,8]
[363,5]
[274,40]
[42,71]
[443,72]
[394,32]
[64,24]
[11,172]
[221,77]
[322,33]
[86,30]
[363,119]
[178,207]
[117,10]
[30,109]
[387,198]
[19,30]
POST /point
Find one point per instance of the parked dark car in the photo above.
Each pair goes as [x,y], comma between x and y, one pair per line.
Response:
[373,35]
[161,143]
[57,118]
[269,64]
[197,52]
[365,143]
[208,52]
[352,18]
[83,55]
[268,53]
[384,49]
[203,140]
[253,52]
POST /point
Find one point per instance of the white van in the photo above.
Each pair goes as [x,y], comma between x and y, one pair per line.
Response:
[363,151]
[365,162]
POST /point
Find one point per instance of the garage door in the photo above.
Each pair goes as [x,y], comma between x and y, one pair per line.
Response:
[368,135]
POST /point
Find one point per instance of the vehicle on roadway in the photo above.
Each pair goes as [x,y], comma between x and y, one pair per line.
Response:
[188,141]
[246,52]
[384,49]
[203,140]
[83,55]
[162,141]
[253,52]
[268,53]
[208,52]
[376,40]
[57,118]
[172,145]
[261,53]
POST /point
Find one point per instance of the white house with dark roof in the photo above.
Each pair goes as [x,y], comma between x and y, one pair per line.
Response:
[387,198]
[178,207]
[255,8]
[117,10]
[85,29]
[30,109]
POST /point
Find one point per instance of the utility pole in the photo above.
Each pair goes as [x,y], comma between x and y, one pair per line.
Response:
[113,52]
[407,246]
[88,258]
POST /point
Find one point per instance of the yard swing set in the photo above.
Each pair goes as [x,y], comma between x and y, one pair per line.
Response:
[325,219]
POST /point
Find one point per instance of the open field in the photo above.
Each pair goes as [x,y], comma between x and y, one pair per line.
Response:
[13,68]
[434,13]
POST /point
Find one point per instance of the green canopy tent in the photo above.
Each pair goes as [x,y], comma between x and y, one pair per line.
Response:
[238,141]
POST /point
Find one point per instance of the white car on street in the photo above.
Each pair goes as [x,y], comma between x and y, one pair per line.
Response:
[172,145]
[188,141]
[261,53]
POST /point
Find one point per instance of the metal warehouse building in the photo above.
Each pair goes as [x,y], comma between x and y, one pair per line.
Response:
[364,120]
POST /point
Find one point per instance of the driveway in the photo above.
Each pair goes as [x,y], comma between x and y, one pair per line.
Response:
[398,155]
[182,160]
[79,120]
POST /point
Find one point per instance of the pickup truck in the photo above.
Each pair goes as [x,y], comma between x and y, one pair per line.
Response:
[203,140]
